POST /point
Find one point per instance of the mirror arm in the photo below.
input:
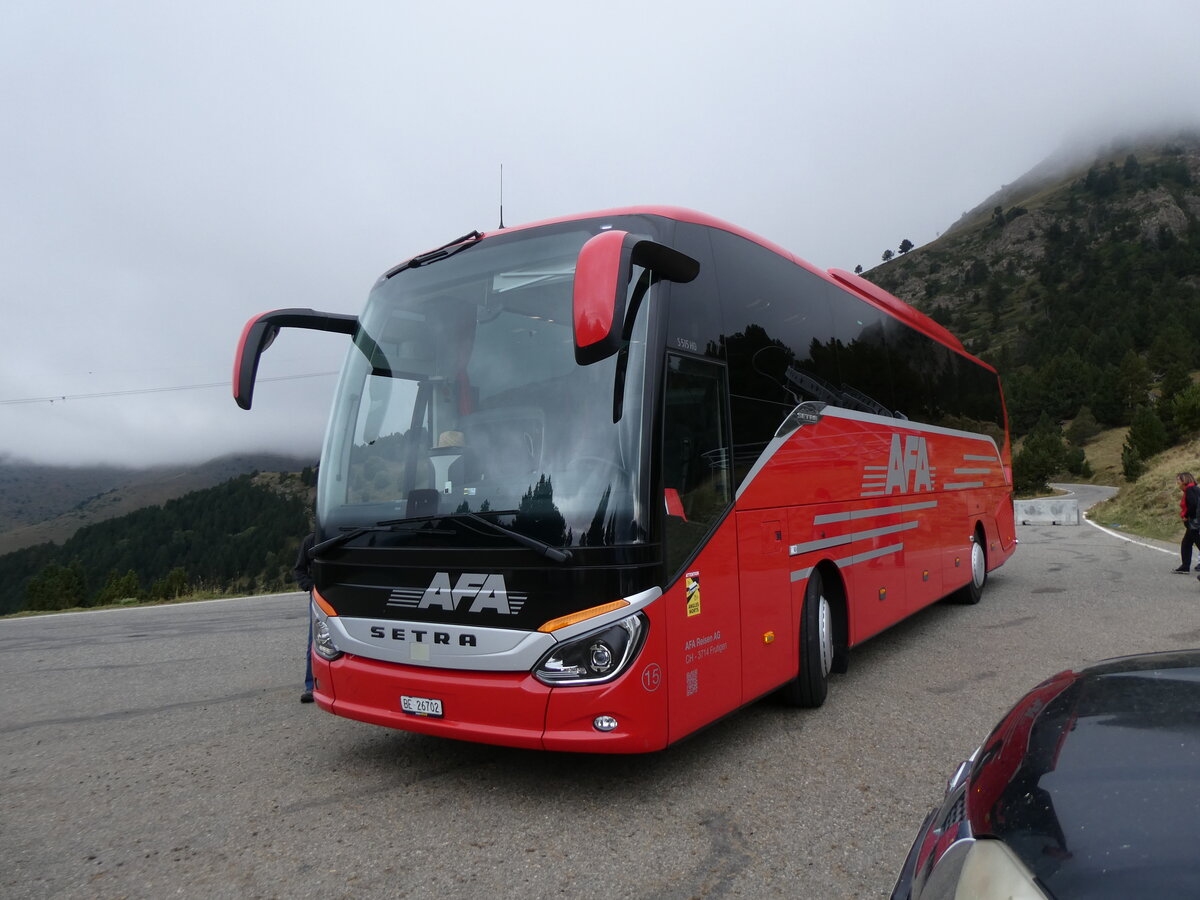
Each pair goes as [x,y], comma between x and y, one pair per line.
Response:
[261,331]
[666,262]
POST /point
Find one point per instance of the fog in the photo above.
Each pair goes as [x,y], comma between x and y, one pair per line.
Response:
[170,171]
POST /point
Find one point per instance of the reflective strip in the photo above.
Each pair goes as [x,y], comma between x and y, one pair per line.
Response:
[839,540]
[891,424]
[844,562]
[828,518]
[869,555]
[763,459]
[897,425]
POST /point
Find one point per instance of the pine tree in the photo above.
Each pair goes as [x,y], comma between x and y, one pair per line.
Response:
[1131,462]
[1147,432]
[1041,456]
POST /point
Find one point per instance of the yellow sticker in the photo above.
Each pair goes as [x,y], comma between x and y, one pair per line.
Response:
[692,582]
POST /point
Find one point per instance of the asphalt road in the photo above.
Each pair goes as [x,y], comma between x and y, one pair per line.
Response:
[163,752]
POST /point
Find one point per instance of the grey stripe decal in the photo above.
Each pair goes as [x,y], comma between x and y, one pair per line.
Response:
[827,518]
[801,574]
[870,554]
[839,540]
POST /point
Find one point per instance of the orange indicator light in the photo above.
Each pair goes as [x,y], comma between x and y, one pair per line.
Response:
[582,616]
[324,604]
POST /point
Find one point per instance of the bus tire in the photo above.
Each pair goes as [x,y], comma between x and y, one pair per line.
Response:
[811,683]
[972,593]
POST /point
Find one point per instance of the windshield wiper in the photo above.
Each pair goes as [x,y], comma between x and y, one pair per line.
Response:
[539,546]
[439,253]
[346,536]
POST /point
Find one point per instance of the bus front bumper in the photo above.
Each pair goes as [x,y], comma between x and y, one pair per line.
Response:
[511,709]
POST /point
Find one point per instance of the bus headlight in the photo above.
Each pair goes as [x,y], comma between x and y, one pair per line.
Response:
[323,639]
[595,657]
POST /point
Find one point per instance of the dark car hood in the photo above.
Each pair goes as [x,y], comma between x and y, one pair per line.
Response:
[1093,779]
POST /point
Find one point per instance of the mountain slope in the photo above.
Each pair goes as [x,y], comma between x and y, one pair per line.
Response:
[1080,283]
[239,536]
[50,503]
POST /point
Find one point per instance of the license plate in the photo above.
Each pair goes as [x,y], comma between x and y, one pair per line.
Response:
[421,706]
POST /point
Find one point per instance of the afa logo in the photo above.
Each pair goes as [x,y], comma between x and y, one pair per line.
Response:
[472,592]
[908,467]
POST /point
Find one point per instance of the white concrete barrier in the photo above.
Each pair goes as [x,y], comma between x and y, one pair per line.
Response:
[1046,511]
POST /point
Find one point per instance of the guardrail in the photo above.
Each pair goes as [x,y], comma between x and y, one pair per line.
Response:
[1046,511]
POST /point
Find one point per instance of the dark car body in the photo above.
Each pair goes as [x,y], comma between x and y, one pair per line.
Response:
[1089,787]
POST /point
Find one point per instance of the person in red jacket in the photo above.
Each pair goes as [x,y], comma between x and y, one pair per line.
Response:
[1189,511]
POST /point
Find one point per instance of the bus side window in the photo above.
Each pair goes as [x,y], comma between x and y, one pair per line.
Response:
[696,457]
[694,320]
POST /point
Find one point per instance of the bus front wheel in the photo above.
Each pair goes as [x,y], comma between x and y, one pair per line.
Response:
[811,684]
[972,593]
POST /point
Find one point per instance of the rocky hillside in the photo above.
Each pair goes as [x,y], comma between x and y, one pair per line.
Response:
[1080,281]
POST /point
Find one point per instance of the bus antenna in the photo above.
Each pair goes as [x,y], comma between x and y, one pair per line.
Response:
[501,195]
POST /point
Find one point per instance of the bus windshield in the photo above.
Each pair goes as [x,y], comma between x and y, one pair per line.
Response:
[461,395]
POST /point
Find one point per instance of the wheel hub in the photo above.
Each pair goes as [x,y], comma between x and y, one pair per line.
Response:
[825,635]
[978,565]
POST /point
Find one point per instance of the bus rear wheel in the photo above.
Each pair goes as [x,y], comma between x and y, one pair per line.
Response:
[811,684]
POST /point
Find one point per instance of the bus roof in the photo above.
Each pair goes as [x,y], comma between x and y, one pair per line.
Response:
[861,287]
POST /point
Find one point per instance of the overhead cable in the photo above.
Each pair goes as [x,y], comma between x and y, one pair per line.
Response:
[152,390]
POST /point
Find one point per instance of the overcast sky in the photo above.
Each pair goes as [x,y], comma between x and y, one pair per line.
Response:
[169,170]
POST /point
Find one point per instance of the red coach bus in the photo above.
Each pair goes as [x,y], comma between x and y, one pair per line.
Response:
[593,483]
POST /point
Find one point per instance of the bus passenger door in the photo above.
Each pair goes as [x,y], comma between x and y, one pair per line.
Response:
[701,603]
[768,636]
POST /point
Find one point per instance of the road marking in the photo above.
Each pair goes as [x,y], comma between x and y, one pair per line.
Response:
[1117,534]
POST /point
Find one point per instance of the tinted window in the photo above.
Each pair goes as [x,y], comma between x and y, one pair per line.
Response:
[979,398]
[866,378]
[789,335]
[777,327]
[695,454]
[924,374]
[694,319]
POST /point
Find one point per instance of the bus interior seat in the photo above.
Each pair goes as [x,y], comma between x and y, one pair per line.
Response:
[503,441]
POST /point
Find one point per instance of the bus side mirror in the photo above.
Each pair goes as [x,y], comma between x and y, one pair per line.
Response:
[602,274]
[260,332]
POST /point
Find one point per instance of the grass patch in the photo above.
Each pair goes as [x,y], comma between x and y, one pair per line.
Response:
[1150,506]
[1103,454]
